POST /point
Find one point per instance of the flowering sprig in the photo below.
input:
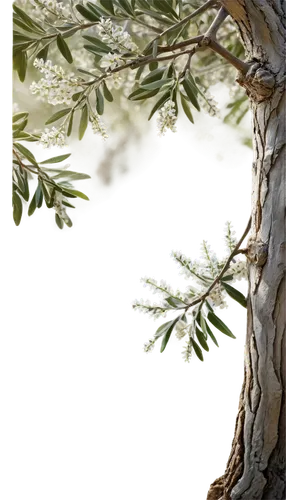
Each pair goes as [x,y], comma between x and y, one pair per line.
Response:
[53,7]
[167,118]
[57,87]
[115,36]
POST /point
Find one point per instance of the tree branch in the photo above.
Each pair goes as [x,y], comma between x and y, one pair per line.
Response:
[235,251]
[214,27]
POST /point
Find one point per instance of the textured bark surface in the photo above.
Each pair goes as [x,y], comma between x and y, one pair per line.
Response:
[256,466]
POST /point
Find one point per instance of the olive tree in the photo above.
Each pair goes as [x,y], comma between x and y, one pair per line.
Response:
[163,55]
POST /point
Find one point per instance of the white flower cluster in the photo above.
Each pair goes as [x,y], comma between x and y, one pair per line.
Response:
[111,61]
[116,37]
[167,118]
[181,329]
[156,311]
[53,137]
[187,352]
[53,7]
[60,209]
[217,297]
[156,287]
[56,87]
[239,270]
[149,346]
[97,125]
[229,236]
[209,104]
[187,267]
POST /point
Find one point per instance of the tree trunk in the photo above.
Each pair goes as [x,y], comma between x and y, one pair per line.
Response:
[256,466]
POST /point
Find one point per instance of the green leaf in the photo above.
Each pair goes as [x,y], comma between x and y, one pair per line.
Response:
[158,84]
[73,193]
[87,14]
[64,49]
[69,131]
[96,51]
[235,294]
[165,338]
[108,5]
[74,176]
[176,303]
[166,8]
[106,92]
[125,5]
[153,65]
[219,324]
[207,331]
[197,349]
[163,329]
[17,208]
[83,122]
[186,109]
[165,97]
[55,159]
[39,195]
[153,76]
[19,116]
[25,152]
[101,46]
[20,64]
[99,102]
[59,114]
[201,339]
[59,221]
[190,93]
[144,94]
[43,53]
[48,194]
[32,206]
[28,20]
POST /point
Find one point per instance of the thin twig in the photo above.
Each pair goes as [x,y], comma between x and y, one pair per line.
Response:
[235,251]
[214,27]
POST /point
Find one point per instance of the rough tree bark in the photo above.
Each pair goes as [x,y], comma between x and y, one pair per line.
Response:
[256,466]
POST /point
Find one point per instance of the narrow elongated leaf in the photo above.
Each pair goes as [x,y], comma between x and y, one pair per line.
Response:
[64,49]
[55,159]
[96,51]
[145,94]
[20,64]
[219,324]
[126,6]
[39,195]
[176,303]
[190,93]
[201,339]
[103,47]
[87,13]
[17,208]
[208,332]
[19,116]
[59,114]
[75,194]
[186,109]
[28,20]
[165,97]
[157,84]
[163,329]
[99,102]
[59,221]
[69,131]
[26,152]
[197,349]
[108,5]
[69,174]
[166,8]
[83,122]
[168,333]
[235,294]
[106,92]
[153,76]
[32,206]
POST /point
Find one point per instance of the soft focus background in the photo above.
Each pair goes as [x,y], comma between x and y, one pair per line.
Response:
[132,142]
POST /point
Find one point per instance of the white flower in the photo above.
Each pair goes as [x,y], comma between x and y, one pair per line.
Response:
[52,7]
[187,352]
[217,297]
[149,346]
[239,270]
[167,118]
[116,37]
[56,87]
[181,329]
[53,137]
[97,125]
[111,61]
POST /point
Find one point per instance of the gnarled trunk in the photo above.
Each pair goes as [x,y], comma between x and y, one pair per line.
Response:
[256,466]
